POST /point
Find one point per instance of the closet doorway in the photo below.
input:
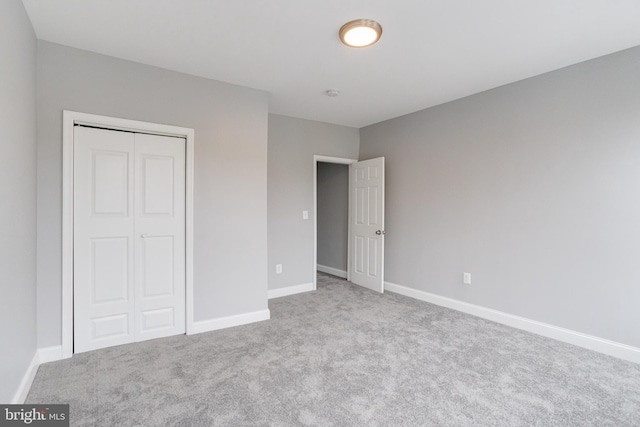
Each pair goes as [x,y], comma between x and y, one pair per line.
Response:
[127,231]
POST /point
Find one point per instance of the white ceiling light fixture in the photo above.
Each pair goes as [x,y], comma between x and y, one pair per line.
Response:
[360,33]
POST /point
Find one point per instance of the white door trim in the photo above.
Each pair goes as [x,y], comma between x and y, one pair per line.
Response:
[340,161]
[71,118]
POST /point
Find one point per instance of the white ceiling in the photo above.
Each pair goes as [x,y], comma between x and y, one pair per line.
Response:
[431,51]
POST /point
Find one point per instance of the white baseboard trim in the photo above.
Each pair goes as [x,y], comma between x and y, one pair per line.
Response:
[228,322]
[601,345]
[290,290]
[50,354]
[332,271]
[27,379]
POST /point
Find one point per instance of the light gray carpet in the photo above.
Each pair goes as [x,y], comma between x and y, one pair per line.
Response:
[346,356]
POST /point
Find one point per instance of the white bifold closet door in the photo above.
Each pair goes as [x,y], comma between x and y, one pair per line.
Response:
[129,237]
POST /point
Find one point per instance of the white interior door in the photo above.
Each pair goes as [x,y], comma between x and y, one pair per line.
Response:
[129,237]
[366,198]
[103,238]
[160,236]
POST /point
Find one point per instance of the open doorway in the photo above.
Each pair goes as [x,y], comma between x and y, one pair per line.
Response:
[331,216]
[365,223]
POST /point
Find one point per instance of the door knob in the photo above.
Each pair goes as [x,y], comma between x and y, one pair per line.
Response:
[144,236]
[380,232]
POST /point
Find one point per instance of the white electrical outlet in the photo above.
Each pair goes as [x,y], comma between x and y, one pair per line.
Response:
[278,268]
[305,214]
[466,278]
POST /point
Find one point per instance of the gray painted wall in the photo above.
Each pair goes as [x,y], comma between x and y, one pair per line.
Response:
[292,145]
[230,125]
[333,215]
[533,188]
[18,195]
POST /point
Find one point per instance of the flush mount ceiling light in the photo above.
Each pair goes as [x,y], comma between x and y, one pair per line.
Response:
[360,33]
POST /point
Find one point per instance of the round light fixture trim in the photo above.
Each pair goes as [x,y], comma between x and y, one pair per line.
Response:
[360,32]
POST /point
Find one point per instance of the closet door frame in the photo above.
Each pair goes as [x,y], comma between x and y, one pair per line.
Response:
[72,118]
